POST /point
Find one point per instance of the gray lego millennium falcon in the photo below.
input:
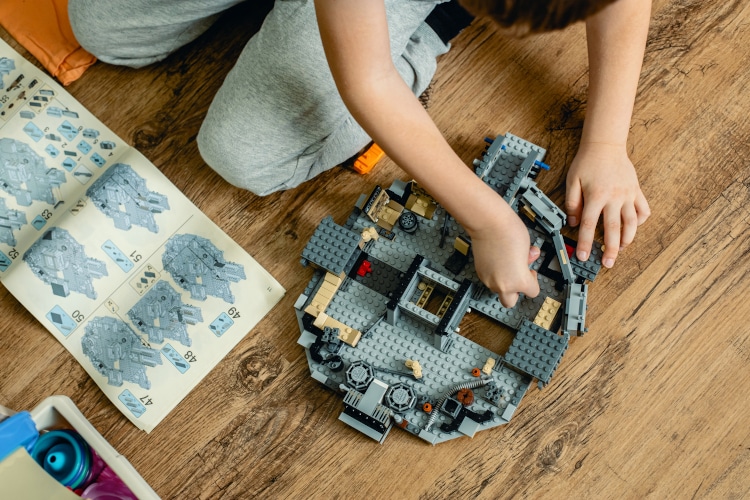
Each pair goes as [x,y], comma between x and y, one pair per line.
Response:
[200,268]
[161,314]
[380,319]
[60,261]
[24,175]
[117,352]
[122,195]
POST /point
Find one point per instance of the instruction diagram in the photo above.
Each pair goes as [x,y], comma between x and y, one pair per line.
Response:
[143,289]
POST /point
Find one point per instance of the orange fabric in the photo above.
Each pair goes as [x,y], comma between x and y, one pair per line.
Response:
[43,28]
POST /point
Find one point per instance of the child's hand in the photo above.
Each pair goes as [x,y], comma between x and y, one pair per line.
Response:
[602,181]
[502,254]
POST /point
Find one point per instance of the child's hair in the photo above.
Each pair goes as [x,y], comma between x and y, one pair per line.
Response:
[535,15]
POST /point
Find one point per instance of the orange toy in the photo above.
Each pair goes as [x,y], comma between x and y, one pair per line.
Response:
[368,159]
[43,28]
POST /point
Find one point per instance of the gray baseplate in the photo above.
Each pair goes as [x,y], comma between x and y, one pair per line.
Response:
[381,301]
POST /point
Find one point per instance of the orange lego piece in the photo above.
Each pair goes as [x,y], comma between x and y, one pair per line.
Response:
[368,159]
[465,397]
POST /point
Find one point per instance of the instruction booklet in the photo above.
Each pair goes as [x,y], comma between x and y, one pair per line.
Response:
[138,284]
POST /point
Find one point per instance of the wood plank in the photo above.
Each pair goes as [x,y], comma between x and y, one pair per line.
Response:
[651,402]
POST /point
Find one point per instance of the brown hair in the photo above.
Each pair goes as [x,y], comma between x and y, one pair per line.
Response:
[535,15]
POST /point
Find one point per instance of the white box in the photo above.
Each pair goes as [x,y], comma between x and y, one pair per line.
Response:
[59,412]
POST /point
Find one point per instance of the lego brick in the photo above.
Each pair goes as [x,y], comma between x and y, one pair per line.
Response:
[546,315]
[536,351]
[306,339]
[574,316]
[320,377]
[509,411]
[469,427]
[562,257]
[300,303]
[591,267]
[331,246]
[373,396]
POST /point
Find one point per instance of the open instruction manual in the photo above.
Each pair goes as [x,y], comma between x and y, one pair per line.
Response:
[138,284]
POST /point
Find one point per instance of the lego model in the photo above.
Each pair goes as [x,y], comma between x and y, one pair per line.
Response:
[61,262]
[200,268]
[10,221]
[161,314]
[24,175]
[6,66]
[122,195]
[381,318]
[117,352]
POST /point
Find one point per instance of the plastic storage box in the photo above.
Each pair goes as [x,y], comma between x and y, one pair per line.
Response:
[59,412]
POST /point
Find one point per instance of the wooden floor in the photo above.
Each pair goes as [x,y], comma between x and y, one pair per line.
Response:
[654,401]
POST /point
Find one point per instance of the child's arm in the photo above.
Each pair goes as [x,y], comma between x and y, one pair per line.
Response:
[602,179]
[355,38]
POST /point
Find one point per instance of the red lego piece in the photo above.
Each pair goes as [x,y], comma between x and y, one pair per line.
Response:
[569,250]
[364,268]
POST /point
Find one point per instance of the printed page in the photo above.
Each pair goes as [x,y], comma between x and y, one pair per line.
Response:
[140,286]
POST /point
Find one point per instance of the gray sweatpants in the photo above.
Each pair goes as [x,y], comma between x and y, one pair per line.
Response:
[278,119]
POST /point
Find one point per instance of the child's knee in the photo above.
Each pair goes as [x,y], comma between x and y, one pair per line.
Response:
[112,31]
[241,165]
[89,26]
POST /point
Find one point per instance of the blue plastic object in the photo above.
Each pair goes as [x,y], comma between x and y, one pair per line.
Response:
[15,431]
[541,164]
[65,456]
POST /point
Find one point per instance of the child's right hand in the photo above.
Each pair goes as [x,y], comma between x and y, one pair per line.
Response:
[602,182]
[502,254]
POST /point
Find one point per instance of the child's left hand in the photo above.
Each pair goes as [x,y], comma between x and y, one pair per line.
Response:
[603,181]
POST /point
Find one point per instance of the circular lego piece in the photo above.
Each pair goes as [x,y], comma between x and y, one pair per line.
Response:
[400,397]
[359,375]
[408,221]
[465,397]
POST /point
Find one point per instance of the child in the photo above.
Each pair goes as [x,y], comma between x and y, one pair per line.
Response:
[292,107]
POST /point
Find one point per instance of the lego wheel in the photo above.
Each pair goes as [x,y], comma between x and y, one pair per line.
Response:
[408,221]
